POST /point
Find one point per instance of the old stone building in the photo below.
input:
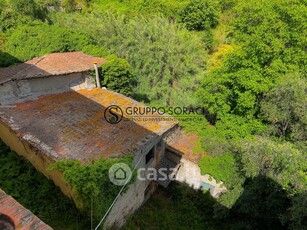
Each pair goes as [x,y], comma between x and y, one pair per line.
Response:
[51,110]
[53,73]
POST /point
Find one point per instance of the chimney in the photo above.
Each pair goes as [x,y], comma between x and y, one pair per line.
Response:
[97,75]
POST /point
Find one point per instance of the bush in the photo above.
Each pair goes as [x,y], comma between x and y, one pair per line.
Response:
[200,15]
[34,191]
[221,167]
[91,183]
[117,76]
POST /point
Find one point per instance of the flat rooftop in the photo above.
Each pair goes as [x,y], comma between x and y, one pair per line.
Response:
[71,125]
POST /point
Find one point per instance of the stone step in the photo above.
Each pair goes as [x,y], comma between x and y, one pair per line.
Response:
[170,169]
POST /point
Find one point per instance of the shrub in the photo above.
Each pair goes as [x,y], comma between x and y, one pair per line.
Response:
[117,76]
[91,182]
[221,167]
[200,15]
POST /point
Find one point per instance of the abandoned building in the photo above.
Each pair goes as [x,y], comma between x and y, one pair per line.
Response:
[52,109]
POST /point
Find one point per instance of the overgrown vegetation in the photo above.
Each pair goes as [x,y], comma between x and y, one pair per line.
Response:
[177,207]
[244,61]
[181,207]
[167,59]
[30,188]
[117,76]
[93,189]
[26,42]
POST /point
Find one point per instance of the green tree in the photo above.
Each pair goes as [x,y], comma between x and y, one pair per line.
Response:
[167,59]
[284,107]
[27,42]
[282,162]
[200,14]
[117,76]
[270,43]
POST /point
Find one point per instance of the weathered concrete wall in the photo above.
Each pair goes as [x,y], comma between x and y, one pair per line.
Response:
[16,91]
[134,197]
[127,203]
[190,174]
[38,160]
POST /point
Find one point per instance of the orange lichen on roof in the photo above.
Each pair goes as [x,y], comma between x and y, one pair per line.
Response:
[51,64]
[153,122]
[187,145]
[71,125]
[20,217]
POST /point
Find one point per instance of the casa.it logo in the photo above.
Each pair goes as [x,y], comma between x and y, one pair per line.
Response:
[113,114]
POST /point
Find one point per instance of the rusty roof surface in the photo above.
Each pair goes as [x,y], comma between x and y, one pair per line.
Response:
[71,125]
[187,145]
[50,64]
[20,217]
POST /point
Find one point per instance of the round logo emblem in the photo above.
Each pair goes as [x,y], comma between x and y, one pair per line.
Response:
[113,114]
[119,174]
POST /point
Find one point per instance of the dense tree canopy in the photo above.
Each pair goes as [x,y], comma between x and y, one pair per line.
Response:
[165,56]
[27,42]
[271,43]
[284,107]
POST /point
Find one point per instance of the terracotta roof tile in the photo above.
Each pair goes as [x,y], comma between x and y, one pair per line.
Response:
[51,64]
[13,214]
[72,125]
[185,144]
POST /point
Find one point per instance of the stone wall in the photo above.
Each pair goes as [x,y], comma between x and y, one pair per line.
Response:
[134,197]
[126,204]
[35,157]
[16,91]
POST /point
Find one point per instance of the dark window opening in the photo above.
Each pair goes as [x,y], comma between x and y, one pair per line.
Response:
[150,155]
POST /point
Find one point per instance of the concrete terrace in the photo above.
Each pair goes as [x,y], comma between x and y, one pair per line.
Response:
[71,125]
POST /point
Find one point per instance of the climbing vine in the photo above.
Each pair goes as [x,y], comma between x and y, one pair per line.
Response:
[90,182]
[34,191]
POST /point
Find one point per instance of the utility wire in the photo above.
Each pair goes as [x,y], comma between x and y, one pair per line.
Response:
[121,190]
